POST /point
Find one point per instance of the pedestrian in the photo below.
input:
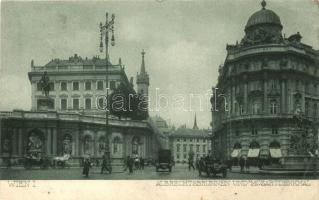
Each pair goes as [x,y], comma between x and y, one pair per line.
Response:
[241,164]
[247,165]
[130,164]
[142,162]
[106,163]
[191,161]
[86,166]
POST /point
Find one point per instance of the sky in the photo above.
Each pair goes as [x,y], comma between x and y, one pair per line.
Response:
[184,41]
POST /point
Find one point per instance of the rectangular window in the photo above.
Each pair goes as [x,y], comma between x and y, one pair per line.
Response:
[51,85]
[274,131]
[197,140]
[184,147]
[88,85]
[112,85]
[178,146]
[64,104]
[204,148]
[197,148]
[76,104]
[177,156]
[177,139]
[191,147]
[100,85]
[75,85]
[88,103]
[63,86]
[204,140]
[184,139]
[184,156]
[191,140]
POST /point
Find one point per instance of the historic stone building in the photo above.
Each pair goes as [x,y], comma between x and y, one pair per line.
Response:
[265,80]
[74,121]
[183,140]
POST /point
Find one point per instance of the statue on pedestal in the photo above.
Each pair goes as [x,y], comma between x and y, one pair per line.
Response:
[45,84]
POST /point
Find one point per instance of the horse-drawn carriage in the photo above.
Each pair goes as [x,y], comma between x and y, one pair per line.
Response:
[36,159]
[61,161]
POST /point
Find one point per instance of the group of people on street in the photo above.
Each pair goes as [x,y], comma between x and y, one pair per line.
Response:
[106,164]
[134,162]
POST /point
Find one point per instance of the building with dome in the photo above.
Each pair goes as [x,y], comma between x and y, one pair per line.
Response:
[265,80]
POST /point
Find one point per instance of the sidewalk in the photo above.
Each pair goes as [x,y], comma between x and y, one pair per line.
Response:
[256,170]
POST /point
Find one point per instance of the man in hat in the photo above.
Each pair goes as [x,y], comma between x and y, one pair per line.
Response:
[86,166]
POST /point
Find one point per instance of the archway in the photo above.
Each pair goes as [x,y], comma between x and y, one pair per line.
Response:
[35,144]
[67,144]
[137,146]
[87,145]
[117,147]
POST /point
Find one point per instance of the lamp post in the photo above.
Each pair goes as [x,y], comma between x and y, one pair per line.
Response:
[104,32]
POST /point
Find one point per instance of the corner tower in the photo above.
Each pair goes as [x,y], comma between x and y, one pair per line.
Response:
[142,79]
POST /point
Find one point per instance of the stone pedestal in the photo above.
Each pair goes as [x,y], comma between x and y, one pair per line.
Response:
[300,162]
[45,104]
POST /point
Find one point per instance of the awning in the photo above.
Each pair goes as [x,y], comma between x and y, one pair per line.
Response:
[275,153]
[253,153]
[235,153]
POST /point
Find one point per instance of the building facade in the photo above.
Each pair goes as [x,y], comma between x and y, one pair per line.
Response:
[265,80]
[74,122]
[184,140]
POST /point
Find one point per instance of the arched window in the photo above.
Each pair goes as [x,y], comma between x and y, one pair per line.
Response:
[273,106]
[116,144]
[102,144]
[87,144]
[254,145]
[274,145]
[237,145]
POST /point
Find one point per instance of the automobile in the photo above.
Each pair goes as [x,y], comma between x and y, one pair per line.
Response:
[211,166]
[164,161]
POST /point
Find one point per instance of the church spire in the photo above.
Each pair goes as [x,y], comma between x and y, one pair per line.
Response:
[195,123]
[143,63]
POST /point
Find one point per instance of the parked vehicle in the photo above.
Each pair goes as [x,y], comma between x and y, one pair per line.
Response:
[164,160]
[210,166]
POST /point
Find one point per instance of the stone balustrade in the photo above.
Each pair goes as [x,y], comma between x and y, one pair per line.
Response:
[53,115]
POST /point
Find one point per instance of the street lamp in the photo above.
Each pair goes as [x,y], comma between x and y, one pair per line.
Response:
[104,32]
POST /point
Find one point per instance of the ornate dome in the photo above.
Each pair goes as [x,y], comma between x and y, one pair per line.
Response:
[263,16]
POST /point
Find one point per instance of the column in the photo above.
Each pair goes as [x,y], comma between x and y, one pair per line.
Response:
[48,141]
[245,98]
[94,143]
[54,140]
[20,142]
[233,100]
[303,96]
[265,97]
[14,141]
[283,94]
[76,144]
[290,97]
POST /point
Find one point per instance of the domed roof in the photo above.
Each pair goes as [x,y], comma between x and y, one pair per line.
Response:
[263,16]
